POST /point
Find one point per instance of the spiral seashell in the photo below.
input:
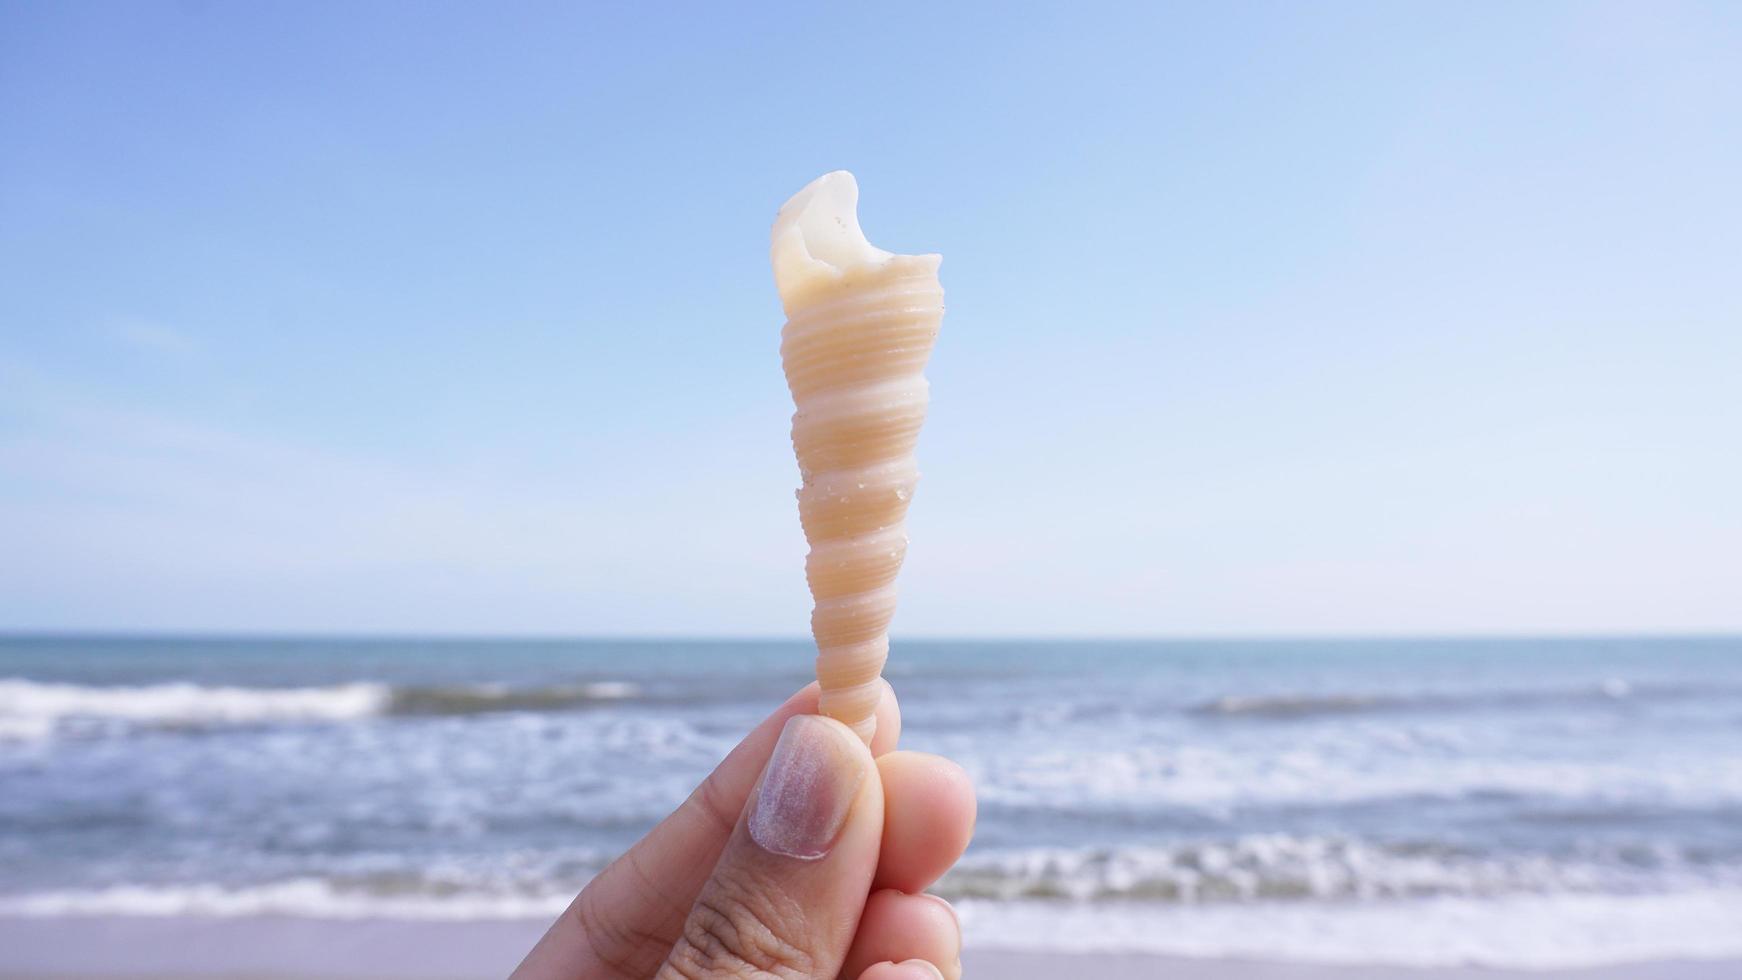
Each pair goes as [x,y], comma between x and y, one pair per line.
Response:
[860,326]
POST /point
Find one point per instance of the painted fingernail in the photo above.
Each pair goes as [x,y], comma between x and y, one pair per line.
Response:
[808,788]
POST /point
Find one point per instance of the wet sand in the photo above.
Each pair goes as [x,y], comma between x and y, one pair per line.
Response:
[305,949]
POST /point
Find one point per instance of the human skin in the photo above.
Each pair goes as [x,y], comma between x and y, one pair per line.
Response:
[699,897]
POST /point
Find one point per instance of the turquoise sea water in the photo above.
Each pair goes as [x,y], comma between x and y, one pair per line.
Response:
[1520,801]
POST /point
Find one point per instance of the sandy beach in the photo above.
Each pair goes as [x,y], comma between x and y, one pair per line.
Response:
[306,949]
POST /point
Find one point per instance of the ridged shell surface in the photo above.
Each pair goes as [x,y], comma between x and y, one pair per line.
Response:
[860,327]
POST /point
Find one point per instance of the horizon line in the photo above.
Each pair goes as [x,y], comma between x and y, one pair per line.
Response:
[196,634]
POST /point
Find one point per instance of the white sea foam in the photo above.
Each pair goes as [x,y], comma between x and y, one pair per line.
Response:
[1345,769]
[301,897]
[612,690]
[1288,867]
[1524,931]
[1372,815]
[34,709]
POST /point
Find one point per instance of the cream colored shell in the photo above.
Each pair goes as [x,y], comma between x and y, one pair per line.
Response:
[860,326]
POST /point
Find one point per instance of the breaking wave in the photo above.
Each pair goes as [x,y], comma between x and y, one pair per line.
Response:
[314,898]
[1288,868]
[1287,706]
[1270,869]
[1302,898]
[32,709]
[483,698]
[1533,932]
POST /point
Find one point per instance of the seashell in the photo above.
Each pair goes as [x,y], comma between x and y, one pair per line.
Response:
[860,325]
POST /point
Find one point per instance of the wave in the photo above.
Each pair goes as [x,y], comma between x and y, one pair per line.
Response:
[1532,930]
[1289,706]
[1522,932]
[1311,868]
[32,709]
[1274,870]
[484,698]
[1294,705]
[314,898]
[1221,778]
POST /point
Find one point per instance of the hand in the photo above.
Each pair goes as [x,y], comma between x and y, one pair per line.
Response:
[802,856]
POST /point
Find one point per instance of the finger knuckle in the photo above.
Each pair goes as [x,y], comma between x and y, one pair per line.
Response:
[714,804]
[743,928]
[618,943]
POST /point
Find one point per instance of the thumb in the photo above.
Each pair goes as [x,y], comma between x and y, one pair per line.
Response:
[785,898]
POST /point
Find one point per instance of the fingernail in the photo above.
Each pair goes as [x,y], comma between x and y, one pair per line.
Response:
[921,967]
[951,909]
[807,789]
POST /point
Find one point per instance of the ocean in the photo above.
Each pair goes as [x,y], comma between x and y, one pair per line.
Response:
[1509,802]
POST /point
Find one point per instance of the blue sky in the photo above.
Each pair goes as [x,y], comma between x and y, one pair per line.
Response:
[1263,318]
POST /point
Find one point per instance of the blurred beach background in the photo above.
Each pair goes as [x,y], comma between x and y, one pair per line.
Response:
[1516,803]
[1328,560]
